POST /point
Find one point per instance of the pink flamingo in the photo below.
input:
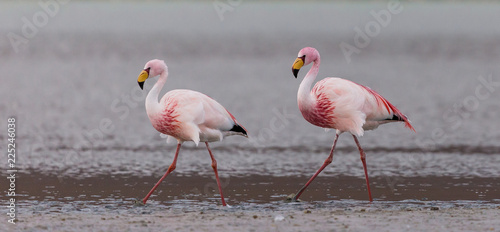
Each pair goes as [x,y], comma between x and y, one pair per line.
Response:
[342,105]
[186,115]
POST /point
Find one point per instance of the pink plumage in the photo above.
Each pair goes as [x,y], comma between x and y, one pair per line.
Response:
[390,108]
[341,104]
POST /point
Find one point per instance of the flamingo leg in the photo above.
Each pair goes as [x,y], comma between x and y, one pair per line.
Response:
[363,159]
[214,166]
[170,169]
[327,161]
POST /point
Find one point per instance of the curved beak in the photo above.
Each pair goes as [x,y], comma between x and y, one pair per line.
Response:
[142,77]
[299,62]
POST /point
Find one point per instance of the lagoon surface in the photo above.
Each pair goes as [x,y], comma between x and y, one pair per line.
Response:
[85,143]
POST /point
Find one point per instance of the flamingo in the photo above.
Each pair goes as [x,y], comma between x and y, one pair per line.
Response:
[186,115]
[342,105]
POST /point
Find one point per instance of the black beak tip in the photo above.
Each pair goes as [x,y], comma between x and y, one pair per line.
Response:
[141,84]
[295,72]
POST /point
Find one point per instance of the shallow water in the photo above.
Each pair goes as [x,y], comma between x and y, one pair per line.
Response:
[197,189]
[79,72]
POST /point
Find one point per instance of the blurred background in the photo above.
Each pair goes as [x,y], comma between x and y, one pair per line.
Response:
[69,76]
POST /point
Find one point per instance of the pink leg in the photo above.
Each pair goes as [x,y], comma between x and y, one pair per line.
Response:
[363,159]
[327,161]
[214,166]
[170,169]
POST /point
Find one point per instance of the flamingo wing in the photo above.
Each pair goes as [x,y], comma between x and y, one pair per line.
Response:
[384,111]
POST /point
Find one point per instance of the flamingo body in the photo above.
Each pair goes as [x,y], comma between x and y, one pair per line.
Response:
[348,107]
[189,115]
[342,105]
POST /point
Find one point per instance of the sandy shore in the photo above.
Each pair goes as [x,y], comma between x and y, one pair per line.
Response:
[352,219]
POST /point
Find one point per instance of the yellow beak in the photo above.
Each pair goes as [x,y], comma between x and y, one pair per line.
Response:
[142,77]
[299,62]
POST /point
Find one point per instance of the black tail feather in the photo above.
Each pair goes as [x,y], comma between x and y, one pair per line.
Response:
[238,128]
[396,117]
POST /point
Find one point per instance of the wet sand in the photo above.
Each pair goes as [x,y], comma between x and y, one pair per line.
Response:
[297,218]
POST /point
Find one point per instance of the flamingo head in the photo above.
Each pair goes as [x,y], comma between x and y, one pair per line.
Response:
[152,68]
[306,56]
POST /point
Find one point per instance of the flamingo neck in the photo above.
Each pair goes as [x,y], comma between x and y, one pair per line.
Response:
[152,103]
[304,96]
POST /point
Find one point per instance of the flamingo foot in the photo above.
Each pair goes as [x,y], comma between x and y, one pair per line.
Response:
[138,202]
[292,198]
